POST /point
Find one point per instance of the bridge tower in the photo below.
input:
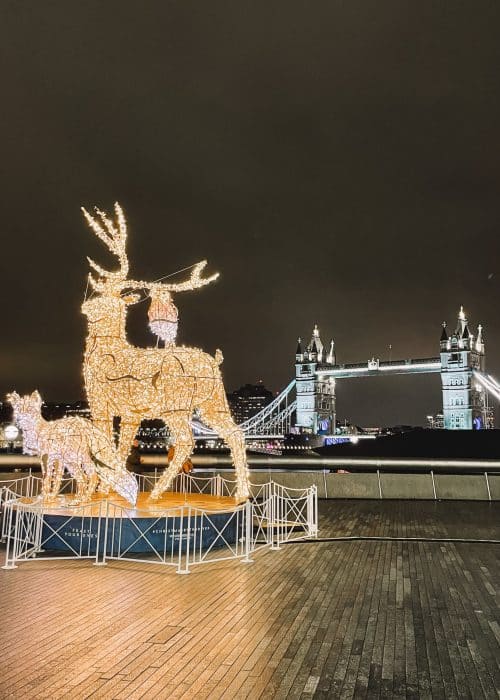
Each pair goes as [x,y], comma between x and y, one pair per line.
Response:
[464,401]
[315,411]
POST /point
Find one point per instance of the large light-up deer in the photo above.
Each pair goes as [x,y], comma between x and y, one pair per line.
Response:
[144,383]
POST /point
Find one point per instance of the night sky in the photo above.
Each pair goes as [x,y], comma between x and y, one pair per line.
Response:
[338,162]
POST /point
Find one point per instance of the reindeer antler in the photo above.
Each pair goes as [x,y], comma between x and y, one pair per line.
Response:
[194,282]
[114,236]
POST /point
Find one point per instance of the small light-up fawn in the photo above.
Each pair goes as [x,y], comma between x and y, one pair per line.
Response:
[74,444]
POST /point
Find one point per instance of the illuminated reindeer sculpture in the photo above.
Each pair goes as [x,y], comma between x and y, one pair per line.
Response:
[72,443]
[145,383]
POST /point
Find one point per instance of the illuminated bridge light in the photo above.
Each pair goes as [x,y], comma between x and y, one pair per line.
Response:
[424,365]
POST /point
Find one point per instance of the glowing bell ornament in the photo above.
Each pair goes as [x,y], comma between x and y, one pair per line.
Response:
[163,316]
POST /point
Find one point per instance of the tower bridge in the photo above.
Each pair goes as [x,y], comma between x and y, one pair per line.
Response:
[308,403]
[465,402]
[461,364]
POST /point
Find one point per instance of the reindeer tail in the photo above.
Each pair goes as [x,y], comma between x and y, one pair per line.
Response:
[219,357]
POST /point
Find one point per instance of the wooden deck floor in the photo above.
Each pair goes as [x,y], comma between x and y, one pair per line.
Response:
[361,619]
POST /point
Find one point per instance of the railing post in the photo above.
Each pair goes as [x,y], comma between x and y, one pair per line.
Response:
[3,512]
[270,522]
[188,541]
[184,570]
[15,543]
[249,546]
[275,521]
[18,528]
[179,554]
[218,485]
[268,515]
[105,539]
[272,518]
[9,564]
[316,513]
[312,511]
[433,485]
[39,528]
[487,485]
[379,484]
[284,514]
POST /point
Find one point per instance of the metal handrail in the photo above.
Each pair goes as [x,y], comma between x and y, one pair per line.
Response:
[309,463]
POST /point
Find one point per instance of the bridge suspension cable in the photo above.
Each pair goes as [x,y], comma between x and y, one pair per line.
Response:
[490,384]
[275,418]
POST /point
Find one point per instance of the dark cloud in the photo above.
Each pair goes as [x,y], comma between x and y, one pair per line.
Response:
[337,162]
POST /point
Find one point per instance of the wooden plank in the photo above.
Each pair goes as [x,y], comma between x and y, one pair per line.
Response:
[321,620]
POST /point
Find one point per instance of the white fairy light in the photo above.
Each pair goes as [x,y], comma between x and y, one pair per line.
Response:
[167,383]
[74,444]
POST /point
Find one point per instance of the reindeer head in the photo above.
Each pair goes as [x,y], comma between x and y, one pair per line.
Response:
[111,287]
[30,404]
[27,411]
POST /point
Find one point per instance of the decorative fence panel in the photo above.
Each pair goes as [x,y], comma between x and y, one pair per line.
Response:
[181,537]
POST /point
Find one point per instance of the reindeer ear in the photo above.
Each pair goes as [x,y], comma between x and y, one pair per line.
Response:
[13,397]
[35,396]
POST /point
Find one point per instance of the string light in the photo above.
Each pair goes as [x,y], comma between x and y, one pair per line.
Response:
[133,383]
[74,444]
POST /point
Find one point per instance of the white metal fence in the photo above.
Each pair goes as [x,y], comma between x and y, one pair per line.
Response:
[180,537]
[29,487]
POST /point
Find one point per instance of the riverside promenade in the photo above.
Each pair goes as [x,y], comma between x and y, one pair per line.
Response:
[348,618]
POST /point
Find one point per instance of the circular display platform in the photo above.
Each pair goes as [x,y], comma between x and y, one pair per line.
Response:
[176,520]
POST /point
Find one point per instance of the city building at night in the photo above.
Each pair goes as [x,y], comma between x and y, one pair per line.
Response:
[435,421]
[248,400]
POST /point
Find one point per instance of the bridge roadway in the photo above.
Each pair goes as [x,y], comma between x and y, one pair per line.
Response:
[353,617]
[374,367]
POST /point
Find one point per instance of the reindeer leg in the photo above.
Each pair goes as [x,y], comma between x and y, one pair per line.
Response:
[102,486]
[78,476]
[54,471]
[128,431]
[101,422]
[84,475]
[46,476]
[182,433]
[91,482]
[234,438]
